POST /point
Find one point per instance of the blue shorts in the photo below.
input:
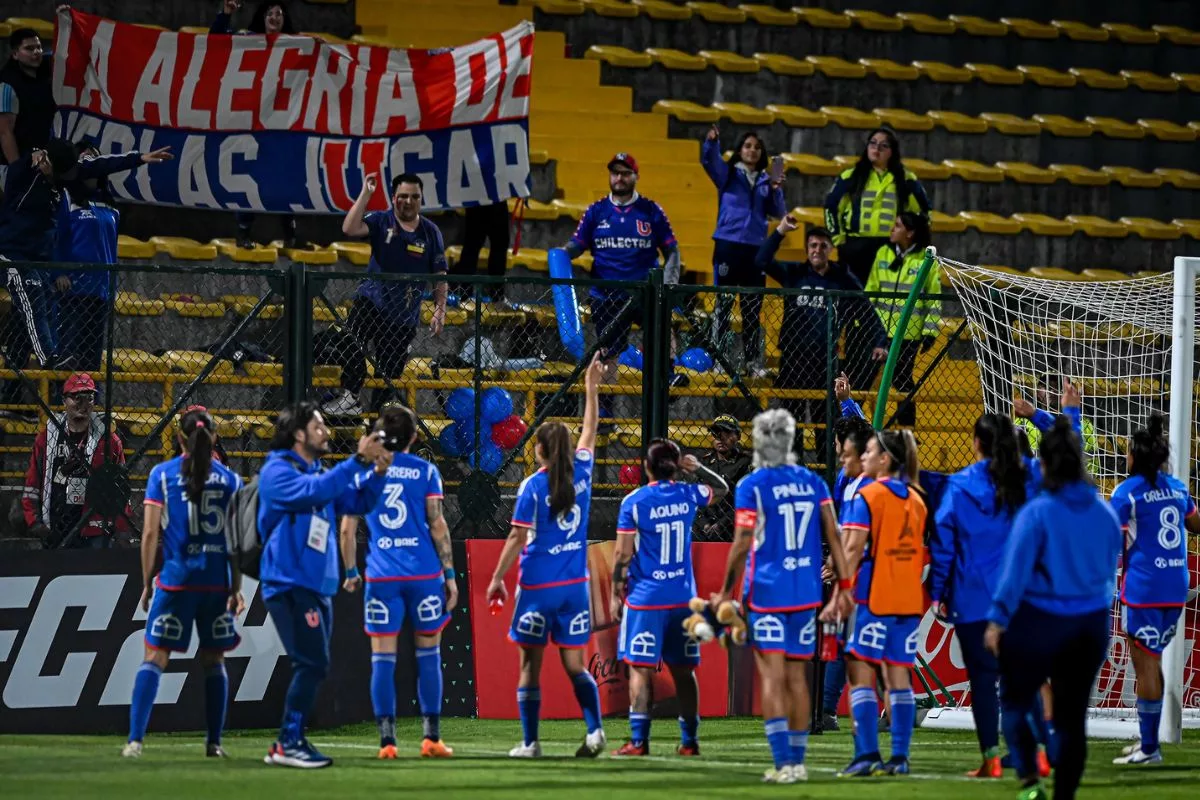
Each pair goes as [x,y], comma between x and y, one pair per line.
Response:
[793,633]
[649,636]
[556,614]
[611,331]
[1151,628]
[173,614]
[878,640]
[387,604]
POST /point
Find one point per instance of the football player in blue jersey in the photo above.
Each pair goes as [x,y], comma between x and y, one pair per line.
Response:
[1154,509]
[186,498]
[410,576]
[549,531]
[782,510]
[653,582]
[624,233]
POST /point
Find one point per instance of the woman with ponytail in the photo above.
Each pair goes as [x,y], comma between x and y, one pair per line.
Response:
[186,499]
[1153,508]
[974,521]
[550,532]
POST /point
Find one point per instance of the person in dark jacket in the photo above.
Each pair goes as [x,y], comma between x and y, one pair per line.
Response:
[1050,612]
[27,103]
[804,333]
[728,459]
[747,194]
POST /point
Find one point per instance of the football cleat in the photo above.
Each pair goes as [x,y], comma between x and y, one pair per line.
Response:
[631,749]
[438,749]
[300,755]
[132,750]
[782,775]
[388,752]
[1034,792]
[593,744]
[1130,749]
[692,749]
[896,765]
[1138,757]
[526,751]
[863,766]
[1043,764]
[214,751]
[990,768]
[799,772]
[269,758]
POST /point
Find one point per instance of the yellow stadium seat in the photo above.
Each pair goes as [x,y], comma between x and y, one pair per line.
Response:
[1064,126]
[956,122]
[1176,34]
[1116,128]
[1130,34]
[797,117]
[1133,178]
[1044,76]
[537,210]
[1080,176]
[1188,80]
[192,361]
[743,114]
[202,29]
[43,27]
[820,18]
[987,222]
[1104,274]
[784,65]
[851,117]
[572,210]
[1021,172]
[944,223]
[809,215]
[314,256]
[835,67]
[809,164]
[715,12]
[996,75]
[769,15]
[1098,227]
[1167,131]
[874,21]
[184,249]
[618,56]
[531,259]
[904,120]
[357,253]
[1011,125]
[1098,79]
[927,170]
[658,9]
[1150,82]
[938,72]
[888,70]
[612,8]
[974,171]
[1055,274]
[1079,31]
[1151,228]
[245,255]
[924,23]
[978,26]
[1188,227]
[129,247]
[725,61]
[1179,178]
[538,156]
[186,306]
[1029,29]
[1042,225]
[127,359]
[677,59]
[686,111]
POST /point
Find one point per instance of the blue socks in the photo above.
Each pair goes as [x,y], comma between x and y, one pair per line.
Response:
[529,702]
[216,696]
[904,716]
[777,738]
[1018,733]
[429,689]
[145,687]
[797,744]
[864,708]
[1043,729]
[383,695]
[689,729]
[639,727]
[588,695]
[1149,713]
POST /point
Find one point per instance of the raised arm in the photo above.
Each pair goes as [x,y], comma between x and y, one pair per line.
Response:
[692,466]
[710,158]
[354,224]
[591,404]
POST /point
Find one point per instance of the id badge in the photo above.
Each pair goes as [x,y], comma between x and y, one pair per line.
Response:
[77,491]
[318,534]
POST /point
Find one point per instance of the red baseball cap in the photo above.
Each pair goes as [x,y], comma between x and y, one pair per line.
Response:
[79,382]
[625,159]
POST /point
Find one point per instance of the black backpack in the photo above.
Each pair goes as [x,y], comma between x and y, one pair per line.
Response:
[243,541]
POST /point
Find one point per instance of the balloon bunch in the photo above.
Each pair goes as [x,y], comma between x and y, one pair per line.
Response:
[501,429]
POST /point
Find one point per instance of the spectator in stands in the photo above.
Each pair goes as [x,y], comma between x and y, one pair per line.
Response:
[804,334]
[1033,420]
[270,18]
[865,200]
[485,222]
[895,271]
[747,194]
[387,312]
[728,459]
[27,103]
[65,454]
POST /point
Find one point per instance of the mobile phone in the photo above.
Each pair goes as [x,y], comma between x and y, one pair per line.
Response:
[776,169]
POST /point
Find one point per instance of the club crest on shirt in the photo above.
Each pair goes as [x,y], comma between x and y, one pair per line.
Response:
[643,227]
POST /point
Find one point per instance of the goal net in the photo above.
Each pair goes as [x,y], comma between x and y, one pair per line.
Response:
[1130,347]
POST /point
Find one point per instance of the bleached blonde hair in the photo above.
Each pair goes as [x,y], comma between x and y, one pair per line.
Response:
[774,433]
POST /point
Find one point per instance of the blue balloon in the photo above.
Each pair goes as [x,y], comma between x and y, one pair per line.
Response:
[448,439]
[464,437]
[632,357]
[696,359]
[490,456]
[566,306]
[497,404]
[460,405]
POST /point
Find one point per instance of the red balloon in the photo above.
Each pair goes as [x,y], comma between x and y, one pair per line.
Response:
[507,433]
[631,475]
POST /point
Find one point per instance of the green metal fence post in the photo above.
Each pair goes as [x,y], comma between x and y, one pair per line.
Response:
[885,383]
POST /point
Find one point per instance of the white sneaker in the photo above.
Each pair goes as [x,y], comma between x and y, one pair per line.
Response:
[132,750]
[526,751]
[343,403]
[782,775]
[1130,749]
[799,772]
[1138,757]
[593,744]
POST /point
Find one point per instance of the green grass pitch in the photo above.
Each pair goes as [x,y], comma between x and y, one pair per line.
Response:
[734,757]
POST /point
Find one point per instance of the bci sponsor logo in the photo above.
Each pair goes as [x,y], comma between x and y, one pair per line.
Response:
[610,670]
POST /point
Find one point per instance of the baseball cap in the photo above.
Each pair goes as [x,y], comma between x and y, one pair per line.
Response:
[625,159]
[725,422]
[79,382]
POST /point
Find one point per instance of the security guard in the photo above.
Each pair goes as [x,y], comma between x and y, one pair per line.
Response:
[731,461]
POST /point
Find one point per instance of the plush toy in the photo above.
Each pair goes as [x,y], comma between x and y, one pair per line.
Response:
[726,624]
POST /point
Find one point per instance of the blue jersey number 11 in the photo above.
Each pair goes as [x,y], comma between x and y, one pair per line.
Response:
[671,533]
